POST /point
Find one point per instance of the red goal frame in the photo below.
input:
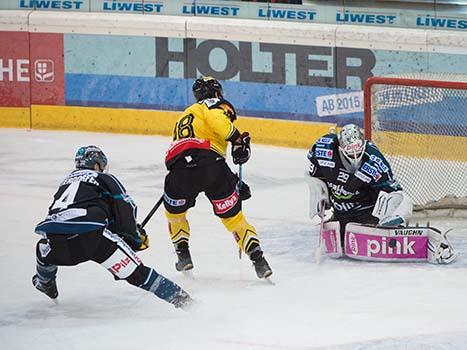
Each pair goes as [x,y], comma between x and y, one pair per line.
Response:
[403,82]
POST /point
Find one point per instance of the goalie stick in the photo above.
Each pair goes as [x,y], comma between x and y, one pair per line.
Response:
[321,226]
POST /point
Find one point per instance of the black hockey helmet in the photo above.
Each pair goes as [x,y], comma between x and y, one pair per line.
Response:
[206,87]
[87,156]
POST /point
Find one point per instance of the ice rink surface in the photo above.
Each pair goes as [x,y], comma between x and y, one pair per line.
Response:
[338,305]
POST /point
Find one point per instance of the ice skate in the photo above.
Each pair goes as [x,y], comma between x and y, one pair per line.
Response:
[262,268]
[182,300]
[49,288]
[184,262]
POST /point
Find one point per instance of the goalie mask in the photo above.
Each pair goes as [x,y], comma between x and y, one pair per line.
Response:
[88,156]
[206,87]
[351,146]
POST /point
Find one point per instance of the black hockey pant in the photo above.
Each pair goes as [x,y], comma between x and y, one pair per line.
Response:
[107,249]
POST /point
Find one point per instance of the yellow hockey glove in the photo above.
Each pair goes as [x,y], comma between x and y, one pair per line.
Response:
[143,238]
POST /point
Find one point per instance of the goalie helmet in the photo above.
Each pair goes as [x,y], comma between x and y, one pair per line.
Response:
[351,146]
[206,87]
[88,156]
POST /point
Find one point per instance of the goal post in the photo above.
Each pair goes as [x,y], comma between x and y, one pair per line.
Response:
[419,122]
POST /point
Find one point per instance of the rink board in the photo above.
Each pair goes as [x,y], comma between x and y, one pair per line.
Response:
[133,74]
[266,131]
[15,117]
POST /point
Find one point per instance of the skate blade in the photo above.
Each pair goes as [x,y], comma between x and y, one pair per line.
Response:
[267,278]
[185,268]
[188,274]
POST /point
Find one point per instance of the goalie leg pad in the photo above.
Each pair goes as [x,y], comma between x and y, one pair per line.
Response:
[440,251]
[331,239]
[392,209]
[365,242]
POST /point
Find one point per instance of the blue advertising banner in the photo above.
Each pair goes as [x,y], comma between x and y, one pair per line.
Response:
[53,5]
[399,15]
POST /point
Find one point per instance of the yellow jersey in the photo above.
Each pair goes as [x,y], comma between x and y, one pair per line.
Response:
[211,120]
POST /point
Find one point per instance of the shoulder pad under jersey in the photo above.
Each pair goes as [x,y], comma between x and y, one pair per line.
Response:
[211,102]
[225,105]
[82,175]
[374,157]
[326,141]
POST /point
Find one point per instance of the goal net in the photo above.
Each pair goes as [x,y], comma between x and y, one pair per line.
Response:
[420,125]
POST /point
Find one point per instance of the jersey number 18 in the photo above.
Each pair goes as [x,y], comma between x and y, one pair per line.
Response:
[184,127]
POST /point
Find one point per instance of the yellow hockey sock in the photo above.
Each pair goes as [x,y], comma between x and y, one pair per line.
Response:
[244,233]
[178,227]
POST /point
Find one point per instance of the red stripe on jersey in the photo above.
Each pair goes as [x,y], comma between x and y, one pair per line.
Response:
[182,145]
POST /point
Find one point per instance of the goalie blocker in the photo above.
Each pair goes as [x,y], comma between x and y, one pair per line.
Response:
[401,244]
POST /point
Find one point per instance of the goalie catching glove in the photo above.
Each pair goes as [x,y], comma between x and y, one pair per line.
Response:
[241,150]
[139,240]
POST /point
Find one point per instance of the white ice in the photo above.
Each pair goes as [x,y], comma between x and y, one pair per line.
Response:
[340,304]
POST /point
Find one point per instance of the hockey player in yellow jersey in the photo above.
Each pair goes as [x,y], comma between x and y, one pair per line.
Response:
[196,163]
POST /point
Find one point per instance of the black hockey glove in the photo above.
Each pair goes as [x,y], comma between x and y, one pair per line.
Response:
[241,150]
[138,240]
[244,191]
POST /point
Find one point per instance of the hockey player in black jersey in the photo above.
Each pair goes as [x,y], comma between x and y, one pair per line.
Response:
[350,173]
[92,218]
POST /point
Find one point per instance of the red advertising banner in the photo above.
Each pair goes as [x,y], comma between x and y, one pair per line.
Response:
[14,69]
[47,69]
[31,69]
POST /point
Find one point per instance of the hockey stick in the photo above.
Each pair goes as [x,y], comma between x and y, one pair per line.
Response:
[320,237]
[153,210]
[240,176]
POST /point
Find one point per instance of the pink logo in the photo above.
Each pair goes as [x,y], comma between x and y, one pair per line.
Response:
[354,148]
[44,71]
[353,244]
[222,206]
[375,247]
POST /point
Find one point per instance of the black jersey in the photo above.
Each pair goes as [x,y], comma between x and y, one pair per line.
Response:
[88,200]
[351,192]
